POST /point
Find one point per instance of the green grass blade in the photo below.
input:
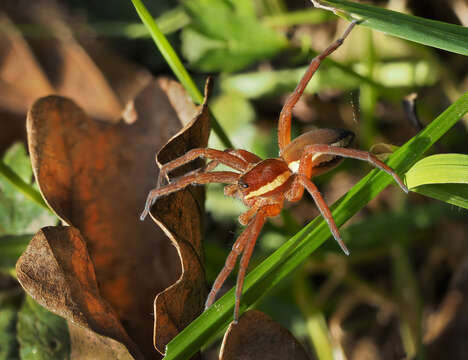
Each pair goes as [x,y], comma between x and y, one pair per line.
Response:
[176,65]
[297,249]
[316,323]
[439,169]
[11,248]
[21,185]
[299,17]
[443,177]
[454,194]
[433,33]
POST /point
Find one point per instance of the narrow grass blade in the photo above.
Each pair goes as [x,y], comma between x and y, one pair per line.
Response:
[315,319]
[176,65]
[433,33]
[21,185]
[297,249]
[455,194]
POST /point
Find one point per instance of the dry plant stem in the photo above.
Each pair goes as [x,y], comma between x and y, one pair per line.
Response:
[264,185]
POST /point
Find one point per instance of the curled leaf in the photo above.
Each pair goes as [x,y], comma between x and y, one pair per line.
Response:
[59,274]
[383,150]
[95,176]
[180,215]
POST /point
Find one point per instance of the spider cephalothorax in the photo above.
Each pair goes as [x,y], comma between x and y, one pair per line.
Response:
[264,185]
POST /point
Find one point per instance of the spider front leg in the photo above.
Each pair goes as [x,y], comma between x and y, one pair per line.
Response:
[217,156]
[318,149]
[296,192]
[324,209]
[227,177]
[245,244]
[284,125]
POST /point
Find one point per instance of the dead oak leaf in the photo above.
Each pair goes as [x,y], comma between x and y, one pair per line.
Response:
[99,81]
[95,176]
[57,62]
[59,274]
[181,303]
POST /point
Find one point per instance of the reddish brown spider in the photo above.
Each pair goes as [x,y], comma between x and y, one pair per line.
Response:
[263,185]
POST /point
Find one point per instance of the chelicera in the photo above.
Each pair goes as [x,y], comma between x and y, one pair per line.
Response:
[264,185]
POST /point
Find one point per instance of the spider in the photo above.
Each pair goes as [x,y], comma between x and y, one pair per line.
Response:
[264,185]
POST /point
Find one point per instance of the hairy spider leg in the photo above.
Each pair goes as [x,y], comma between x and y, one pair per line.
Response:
[210,166]
[324,209]
[257,223]
[245,155]
[229,264]
[223,157]
[355,154]
[227,177]
[284,125]
[296,192]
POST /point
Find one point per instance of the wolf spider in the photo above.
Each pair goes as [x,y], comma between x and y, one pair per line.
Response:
[264,185]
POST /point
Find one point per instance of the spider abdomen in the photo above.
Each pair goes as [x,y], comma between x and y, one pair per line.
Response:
[322,162]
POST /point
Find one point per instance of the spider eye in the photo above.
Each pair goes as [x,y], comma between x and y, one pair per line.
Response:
[243,185]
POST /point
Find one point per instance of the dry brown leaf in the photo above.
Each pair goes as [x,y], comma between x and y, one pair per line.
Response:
[55,62]
[22,79]
[96,176]
[71,70]
[178,305]
[59,274]
[22,82]
[257,336]
[85,344]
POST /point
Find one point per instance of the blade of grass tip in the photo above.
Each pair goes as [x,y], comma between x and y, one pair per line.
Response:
[450,37]
[406,288]
[176,65]
[315,319]
[22,186]
[293,252]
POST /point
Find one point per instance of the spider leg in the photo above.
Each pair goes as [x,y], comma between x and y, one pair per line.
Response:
[284,125]
[271,206]
[257,224]
[296,190]
[245,244]
[246,216]
[228,177]
[208,167]
[355,154]
[237,249]
[219,156]
[324,209]
[245,155]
